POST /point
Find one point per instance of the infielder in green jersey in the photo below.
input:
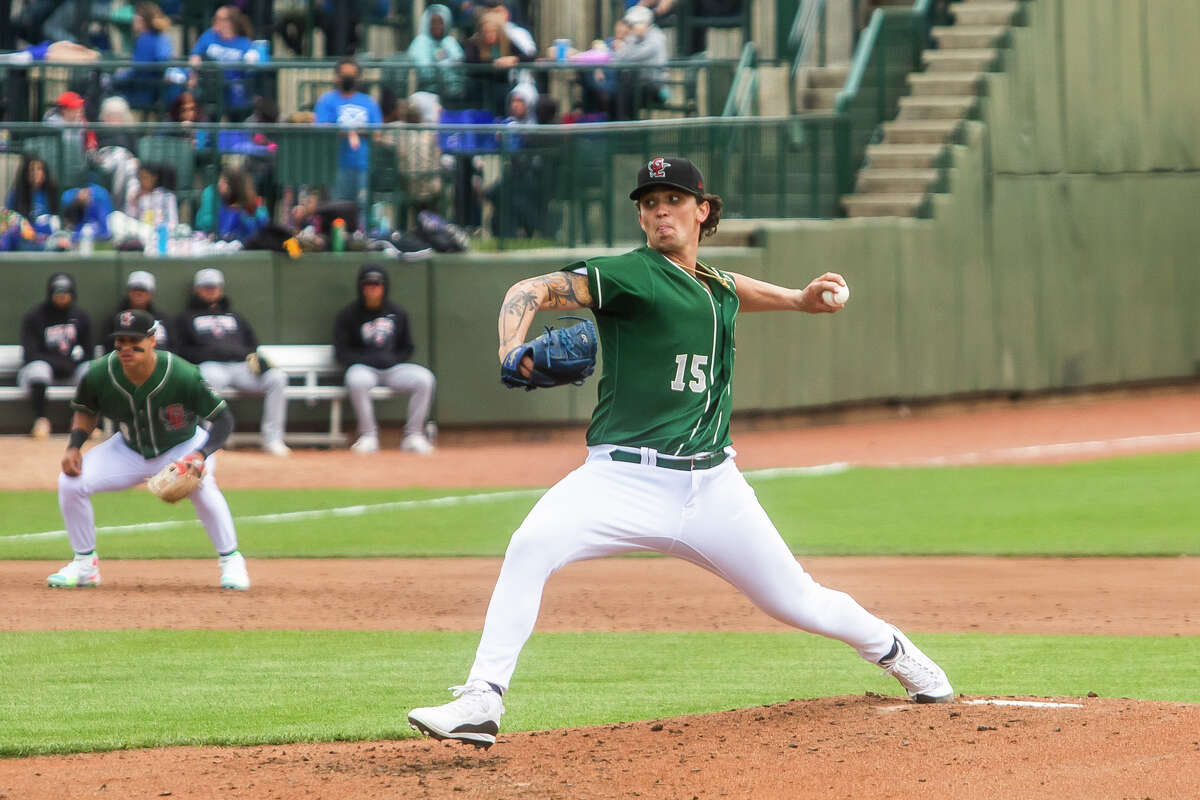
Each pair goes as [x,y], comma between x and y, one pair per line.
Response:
[157,399]
[660,474]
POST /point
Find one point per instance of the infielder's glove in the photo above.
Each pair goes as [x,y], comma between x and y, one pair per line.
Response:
[258,363]
[178,479]
[560,356]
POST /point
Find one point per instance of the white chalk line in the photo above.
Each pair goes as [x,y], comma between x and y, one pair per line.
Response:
[834,468]
[1021,703]
[1092,447]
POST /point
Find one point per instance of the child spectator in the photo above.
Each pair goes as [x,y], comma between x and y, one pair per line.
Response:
[34,195]
[87,205]
[153,202]
[437,54]
[238,213]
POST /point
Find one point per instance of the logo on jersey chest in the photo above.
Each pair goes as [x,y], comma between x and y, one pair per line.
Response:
[658,167]
[60,337]
[216,325]
[174,417]
[379,331]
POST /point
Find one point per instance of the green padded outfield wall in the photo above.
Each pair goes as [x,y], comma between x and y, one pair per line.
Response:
[1065,254]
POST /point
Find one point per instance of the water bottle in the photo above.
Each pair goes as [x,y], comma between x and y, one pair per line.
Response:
[561,49]
[87,237]
[161,230]
[339,235]
[264,50]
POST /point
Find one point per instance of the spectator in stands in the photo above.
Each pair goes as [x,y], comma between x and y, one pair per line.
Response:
[139,295]
[520,37]
[646,45]
[338,21]
[55,52]
[87,205]
[59,23]
[154,202]
[228,42]
[661,8]
[186,111]
[56,337]
[437,54]
[519,199]
[15,232]
[351,110]
[489,88]
[116,148]
[68,113]
[231,209]
[419,153]
[152,44]
[35,195]
[371,338]
[222,343]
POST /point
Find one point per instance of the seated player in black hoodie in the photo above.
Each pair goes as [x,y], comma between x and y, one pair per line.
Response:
[222,344]
[372,340]
[56,336]
[139,296]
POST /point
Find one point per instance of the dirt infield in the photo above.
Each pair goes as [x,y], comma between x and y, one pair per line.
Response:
[861,746]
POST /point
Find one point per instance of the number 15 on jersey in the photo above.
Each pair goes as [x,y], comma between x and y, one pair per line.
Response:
[699,381]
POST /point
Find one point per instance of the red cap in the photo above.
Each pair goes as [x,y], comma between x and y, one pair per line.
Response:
[69,100]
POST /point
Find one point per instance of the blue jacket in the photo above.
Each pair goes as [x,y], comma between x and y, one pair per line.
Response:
[211,47]
[95,213]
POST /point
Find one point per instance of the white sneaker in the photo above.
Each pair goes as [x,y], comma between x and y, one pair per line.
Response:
[474,716]
[83,571]
[276,447]
[417,443]
[233,571]
[367,443]
[41,428]
[924,680]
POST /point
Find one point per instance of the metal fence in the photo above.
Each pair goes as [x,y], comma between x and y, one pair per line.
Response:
[562,183]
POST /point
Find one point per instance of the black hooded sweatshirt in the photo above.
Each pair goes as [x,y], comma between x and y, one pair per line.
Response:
[213,333]
[62,337]
[378,337]
[162,341]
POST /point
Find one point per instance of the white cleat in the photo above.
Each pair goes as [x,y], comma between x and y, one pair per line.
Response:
[924,680]
[277,448]
[83,571]
[472,717]
[233,572]
[417,443]
[367,443]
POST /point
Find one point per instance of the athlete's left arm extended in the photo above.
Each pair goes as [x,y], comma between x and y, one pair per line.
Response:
[756,295]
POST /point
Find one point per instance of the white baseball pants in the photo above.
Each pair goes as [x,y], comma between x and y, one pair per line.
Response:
[112,466]
[270,384]
[708,517]
[411,379]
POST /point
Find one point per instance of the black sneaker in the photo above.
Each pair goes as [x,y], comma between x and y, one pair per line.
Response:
[411,246]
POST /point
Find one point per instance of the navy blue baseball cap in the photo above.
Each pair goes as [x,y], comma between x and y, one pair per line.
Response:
[673,171]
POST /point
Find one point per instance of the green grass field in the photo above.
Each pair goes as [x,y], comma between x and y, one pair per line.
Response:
[76,691]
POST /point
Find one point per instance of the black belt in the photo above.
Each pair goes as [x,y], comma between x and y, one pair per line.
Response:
[685,463]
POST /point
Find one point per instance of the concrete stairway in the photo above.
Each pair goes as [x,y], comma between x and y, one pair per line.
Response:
[819,86]
[912,161]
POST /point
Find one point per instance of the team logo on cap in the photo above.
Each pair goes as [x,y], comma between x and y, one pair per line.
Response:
[126,319]
[658,167]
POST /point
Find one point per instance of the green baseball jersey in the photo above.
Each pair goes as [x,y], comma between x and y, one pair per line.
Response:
[155,416]
[667,342]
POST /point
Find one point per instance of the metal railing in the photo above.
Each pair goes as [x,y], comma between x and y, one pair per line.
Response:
[566,184]
[693,86]
[743,93]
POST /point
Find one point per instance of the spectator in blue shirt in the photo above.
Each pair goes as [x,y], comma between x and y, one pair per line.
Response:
[152,43]
[350,110]
[34,194]
[228,41]
[87,205]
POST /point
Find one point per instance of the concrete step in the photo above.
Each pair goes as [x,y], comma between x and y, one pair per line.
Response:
[905,156]
[884,205]
[935,107]
[818,99]
[828,77]
[897,181]
[978,60]
[923,131]
[987,13]
[970,37]
[929,84]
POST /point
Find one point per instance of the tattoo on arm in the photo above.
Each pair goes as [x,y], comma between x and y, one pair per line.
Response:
[563,291]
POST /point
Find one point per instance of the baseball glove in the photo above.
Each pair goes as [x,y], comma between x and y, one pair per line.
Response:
[178,479]
[258,363]
[560,356]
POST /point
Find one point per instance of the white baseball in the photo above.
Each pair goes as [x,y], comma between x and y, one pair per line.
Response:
[837,298]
